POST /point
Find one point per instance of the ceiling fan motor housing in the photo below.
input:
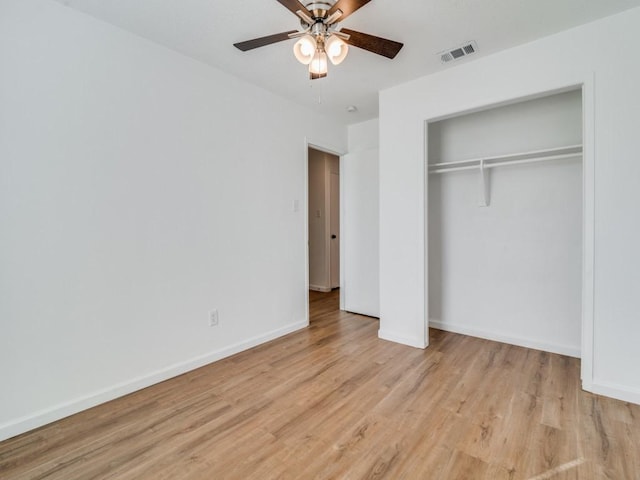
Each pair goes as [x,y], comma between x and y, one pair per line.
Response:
[318,29]
[319,10]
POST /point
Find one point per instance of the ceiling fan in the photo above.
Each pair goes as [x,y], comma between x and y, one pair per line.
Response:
[319,40]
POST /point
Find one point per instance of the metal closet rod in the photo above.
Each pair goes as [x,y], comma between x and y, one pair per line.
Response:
[509,159]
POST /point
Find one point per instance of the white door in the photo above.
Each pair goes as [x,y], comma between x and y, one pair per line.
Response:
[361,224]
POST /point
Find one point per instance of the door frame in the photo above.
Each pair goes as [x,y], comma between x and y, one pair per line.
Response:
[305,206]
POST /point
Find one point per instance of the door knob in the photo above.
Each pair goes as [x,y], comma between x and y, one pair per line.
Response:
[333,236]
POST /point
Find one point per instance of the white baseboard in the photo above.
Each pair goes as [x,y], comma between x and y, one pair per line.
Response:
[57,412]
[403,339]
[619,392]
[361,311]
[365,313]
[317,288]
[504,338]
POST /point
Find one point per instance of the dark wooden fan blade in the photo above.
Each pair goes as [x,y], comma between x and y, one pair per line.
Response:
[381,46]
[294,5]
[347,7]
[262,41]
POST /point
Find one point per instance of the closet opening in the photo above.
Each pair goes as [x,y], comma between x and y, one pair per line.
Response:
[504,226]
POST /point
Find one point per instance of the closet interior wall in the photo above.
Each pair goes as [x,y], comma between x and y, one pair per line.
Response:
[510,271]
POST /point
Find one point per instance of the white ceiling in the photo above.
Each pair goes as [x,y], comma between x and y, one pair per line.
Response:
[207,29]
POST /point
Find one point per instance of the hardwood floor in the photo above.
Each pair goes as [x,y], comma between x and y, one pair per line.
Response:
[334,401]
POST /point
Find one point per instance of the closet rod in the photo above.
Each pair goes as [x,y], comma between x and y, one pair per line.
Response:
[506,162]
[532,153]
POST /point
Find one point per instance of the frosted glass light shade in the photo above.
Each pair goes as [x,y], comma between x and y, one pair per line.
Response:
[336,49]
[318,65]
[304,49]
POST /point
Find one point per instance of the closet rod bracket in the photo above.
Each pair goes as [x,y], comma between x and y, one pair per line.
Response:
[484,185]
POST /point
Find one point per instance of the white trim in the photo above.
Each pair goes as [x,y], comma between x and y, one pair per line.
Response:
[342,231]
[57,412]
[332,151]
[305,226]
[423,254]
[506,338]
[318,288]
[366,313]
[403,339]
[588,230]
[614,390]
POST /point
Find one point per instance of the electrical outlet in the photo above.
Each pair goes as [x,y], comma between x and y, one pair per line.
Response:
[213,318]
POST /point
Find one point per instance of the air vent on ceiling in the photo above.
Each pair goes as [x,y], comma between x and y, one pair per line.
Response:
[460,51]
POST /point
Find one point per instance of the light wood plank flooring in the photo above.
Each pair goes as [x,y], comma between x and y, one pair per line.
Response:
[334,401]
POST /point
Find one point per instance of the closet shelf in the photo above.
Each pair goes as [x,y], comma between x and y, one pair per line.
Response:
[510,159]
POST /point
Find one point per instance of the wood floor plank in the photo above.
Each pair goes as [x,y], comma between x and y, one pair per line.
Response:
[333,401]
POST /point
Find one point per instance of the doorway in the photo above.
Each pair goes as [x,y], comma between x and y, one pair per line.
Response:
[324,220]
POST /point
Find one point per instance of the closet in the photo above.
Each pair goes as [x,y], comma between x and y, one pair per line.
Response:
[505,223]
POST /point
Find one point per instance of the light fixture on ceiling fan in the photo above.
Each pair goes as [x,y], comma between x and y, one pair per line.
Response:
[316,50]
[319,41]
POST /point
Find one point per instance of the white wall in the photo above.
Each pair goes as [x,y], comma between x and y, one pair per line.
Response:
[360,220]
[138,190]
[510,271]
[588,54]
[364,135]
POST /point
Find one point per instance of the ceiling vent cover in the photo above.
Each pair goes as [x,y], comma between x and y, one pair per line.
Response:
[460,51]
